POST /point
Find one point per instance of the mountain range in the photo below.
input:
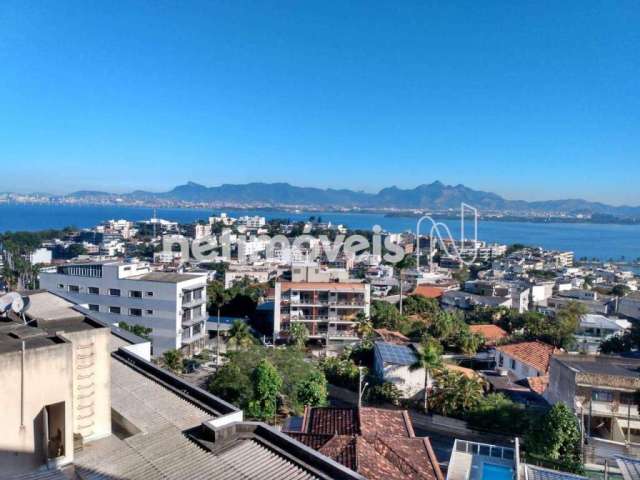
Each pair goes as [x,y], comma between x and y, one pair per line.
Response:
[434,196]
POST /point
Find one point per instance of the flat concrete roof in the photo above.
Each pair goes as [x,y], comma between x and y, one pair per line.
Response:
[165,277]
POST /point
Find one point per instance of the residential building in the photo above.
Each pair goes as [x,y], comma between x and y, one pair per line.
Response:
[601,390]
[594,329]
[466,300]
[55,377]
[329,310]
[492,334]
[484,461]
[260,274]
[392,363]
[376,443]
[525,359]
[154,424]
[40,256]
[254,222]
[316,273]
[173,305]
[629,306]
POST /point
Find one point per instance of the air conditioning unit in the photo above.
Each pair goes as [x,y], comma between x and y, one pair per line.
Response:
[503,372]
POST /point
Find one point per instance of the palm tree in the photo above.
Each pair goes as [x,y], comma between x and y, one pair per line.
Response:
[298,334]
[428,358]
[240,335]
[364,327]
[172,359]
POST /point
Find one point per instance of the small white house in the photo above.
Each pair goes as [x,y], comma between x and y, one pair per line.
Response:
[392,362]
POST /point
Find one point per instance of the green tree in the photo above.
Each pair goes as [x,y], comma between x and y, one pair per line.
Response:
[419,305]
[385,315]
[455,393]
[267,383]
[240,335]
[427,358]
[364,328]
[385,392]
[312,390]
[298,334]
[557,438]
[172,359]
[620,290]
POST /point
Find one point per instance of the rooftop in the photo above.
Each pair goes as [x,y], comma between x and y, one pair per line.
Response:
[166,277]
[602,365]
[377,443]
[334,286]
[429,291]
[534,354]
[491,333]
[394,354]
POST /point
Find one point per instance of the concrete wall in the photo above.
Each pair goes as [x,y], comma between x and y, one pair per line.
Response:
[91,382]
[562,384]
[48,380]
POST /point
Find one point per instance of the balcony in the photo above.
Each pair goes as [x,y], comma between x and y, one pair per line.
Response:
[187,338]
[188,301]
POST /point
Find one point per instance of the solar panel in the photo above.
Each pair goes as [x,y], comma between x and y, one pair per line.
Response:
[396,354]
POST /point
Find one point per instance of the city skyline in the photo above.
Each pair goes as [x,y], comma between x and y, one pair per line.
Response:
[533,102]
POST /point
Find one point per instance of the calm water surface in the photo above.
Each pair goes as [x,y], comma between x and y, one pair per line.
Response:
[588,240]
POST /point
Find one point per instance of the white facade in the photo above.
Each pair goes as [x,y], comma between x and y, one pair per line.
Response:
[409,382]
[172,305]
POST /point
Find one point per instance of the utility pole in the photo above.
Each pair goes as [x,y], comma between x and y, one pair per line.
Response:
[401,292]
[218,341]
[361,388]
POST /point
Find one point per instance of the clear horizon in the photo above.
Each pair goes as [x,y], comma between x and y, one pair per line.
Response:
[532,101]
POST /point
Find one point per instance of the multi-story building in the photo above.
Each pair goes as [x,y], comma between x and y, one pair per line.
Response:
[329,310]
[173,305]
[629,306]
[601,390]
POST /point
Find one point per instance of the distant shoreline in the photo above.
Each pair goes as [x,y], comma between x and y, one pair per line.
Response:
[551,219]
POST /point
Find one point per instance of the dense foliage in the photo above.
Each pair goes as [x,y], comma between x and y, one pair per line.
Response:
[301,380]
[557,438]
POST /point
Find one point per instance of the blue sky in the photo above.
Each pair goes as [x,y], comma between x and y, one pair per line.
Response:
[532,100]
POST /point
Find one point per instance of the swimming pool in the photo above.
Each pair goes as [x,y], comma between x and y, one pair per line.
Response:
[491,471]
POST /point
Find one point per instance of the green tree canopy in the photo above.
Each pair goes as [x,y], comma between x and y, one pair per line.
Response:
[557,438]
[267,383]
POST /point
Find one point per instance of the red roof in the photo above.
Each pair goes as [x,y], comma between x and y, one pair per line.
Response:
[534,354]
[391,336]
[429,291]
[491,333]
[538,384]
[377,443]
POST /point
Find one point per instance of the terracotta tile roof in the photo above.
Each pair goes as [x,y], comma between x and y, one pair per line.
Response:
[389,422]
[491,333]
[383,448]
[315,441]
[538,384]
[331,421]
[534,354]
[391,336]
[467,372]
[429,291]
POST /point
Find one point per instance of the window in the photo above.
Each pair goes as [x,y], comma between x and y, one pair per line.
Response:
[135,293]
[61,286]
[197,328]
[602,396]
[114,292]
[513,364]
[149,312]
[135,312]
[114,310]
[94,290]
[628,398]
[149,294]
[94,308]
[74,288]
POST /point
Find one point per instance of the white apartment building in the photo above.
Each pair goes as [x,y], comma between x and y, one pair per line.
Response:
[329,310]
[252,222]
[173,305]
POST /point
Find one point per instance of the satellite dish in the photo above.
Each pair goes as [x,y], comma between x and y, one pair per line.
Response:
[11,301]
